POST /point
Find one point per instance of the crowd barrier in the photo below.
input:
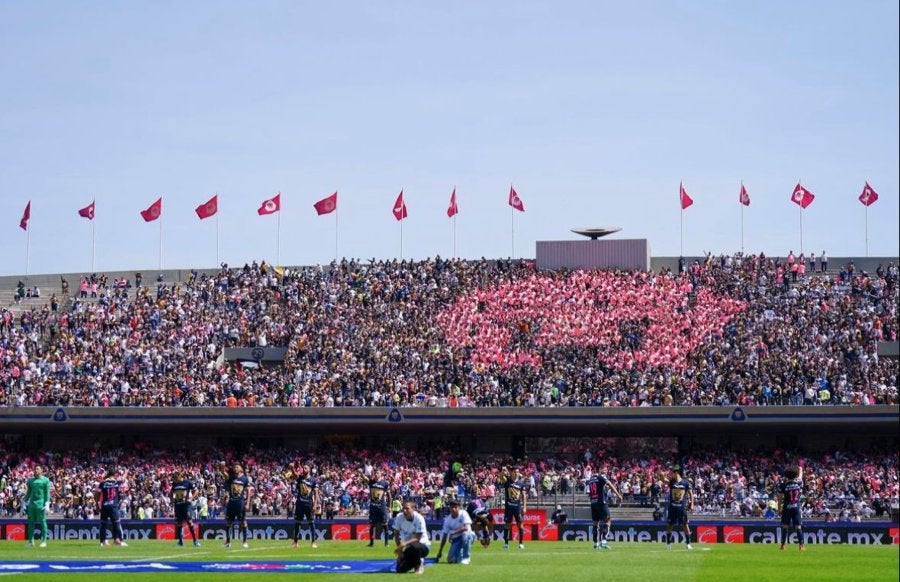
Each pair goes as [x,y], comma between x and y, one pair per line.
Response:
[705,532]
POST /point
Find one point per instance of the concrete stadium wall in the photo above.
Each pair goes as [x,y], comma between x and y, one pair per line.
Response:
[595,421]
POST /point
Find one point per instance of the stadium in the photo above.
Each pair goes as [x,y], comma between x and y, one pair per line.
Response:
[440,375]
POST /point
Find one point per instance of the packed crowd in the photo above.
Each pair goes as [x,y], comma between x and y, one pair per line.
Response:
[725,482]
[727,330]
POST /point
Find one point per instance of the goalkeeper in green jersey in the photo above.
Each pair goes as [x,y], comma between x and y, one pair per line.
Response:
[37,503]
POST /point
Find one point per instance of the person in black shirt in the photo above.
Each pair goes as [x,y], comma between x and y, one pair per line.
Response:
[681,502]
[236,488]
[307,499]
[183,494]
[790,493]
[482,520]
[597,486]
[379,490]
[108,496]
[515,496]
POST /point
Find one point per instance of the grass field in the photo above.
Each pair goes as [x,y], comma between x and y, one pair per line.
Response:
[556,561]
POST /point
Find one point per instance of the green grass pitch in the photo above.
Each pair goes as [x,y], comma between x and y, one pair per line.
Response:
[552,561]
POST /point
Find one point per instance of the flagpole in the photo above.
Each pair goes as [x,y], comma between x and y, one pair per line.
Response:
[512,230]
[217,232]
[335,233]
[160,242]
[867,230]
[93,244]
[681,218]
[454,236]
[742,218]
[27,250]
[278,239]
[401,236]
[801,230]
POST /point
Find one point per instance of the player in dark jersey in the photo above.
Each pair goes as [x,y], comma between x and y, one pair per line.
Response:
[183,493]
[379,499]
[790,493]
[515,497]
[681,502]
[238,503]
[108,494]
[307,491]
[597,486]
[482,520]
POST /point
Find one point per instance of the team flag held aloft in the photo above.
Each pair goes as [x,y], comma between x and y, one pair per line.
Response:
[326,205]
[868,196]
[685,199]
[87,211]
[515,201]
[453,209]
[399,209]
[208,208]
[153,212]
[26,216]
[743,197]
[801,196]
[270,206]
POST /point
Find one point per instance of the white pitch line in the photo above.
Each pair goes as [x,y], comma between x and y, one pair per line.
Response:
[179,555]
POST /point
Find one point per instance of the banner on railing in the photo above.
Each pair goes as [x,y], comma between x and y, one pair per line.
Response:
[623,531]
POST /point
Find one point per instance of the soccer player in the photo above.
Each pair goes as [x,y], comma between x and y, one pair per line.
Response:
[238,503]
[789,493]
[37,502]
[482,520]
[457,529]
[411,537]
[516,500]
[108,494]
[379,491]
[307,498]
[597,486]
[183,494]
[681,501]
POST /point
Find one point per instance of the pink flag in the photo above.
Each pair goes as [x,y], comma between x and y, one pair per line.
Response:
[26,216]
[399,209]
[868,196]
[270,206]
[326,205]
[801,196]
[683,195]
[153,212]
[208,208]
[744,198]
[515,201]
[453,209]
[87,211]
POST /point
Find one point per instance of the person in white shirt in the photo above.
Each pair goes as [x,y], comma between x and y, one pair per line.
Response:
[411,537]
[457,529]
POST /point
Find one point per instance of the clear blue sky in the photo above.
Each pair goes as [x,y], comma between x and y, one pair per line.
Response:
[593,110]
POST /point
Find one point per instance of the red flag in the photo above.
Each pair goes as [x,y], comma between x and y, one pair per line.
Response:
[87,211]
[801,196]
[270,206]
[208,208]
[515,201]
[744,198]
[26,216]
[453,209]
[686,200]
[326,205]
[868,196]
[153,212]
[399,209]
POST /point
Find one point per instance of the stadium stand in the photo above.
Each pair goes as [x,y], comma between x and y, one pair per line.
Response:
[729,330]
